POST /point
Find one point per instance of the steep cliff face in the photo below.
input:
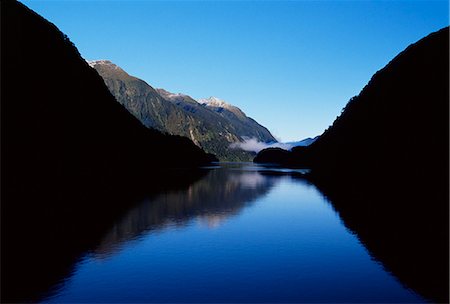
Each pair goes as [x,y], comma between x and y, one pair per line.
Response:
[139,98]
[209,126]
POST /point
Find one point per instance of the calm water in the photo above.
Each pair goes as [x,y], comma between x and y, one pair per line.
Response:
[240,234]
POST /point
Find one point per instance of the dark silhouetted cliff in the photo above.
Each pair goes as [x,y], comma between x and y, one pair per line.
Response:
[58,117]
[383,126]
[72,158]
[389,186]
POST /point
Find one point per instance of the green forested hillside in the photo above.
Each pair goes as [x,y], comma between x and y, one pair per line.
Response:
[212,128]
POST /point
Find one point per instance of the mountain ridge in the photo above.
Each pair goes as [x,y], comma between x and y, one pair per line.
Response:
[72,157]
[393,192]
[212,128]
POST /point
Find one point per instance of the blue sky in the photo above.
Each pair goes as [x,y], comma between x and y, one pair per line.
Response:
[291,65]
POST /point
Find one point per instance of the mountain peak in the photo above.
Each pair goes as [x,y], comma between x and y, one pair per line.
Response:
[106,67]
[215,102]
[93,63]
[169,95]
[210,123]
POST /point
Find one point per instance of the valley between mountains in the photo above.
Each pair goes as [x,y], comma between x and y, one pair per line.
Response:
[107,183]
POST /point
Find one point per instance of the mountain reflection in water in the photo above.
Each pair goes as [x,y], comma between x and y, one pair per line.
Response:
[216,197]
[242,233]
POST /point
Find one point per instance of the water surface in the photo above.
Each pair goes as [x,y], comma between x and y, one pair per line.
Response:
[242,233]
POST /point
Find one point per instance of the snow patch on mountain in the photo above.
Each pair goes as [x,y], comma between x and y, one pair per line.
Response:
[93,63]
[214,102]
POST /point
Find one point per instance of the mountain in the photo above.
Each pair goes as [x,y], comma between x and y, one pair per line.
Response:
[251,144]
[292,144]
[68,149]
[303,143]
[138,97]
[284,153]
[245,126]
[404,102]
[66,120]
[390,187]
[274,155]
[212,128]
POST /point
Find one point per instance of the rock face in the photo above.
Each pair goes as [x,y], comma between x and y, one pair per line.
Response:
[211,126]
[389,187]
[138,97]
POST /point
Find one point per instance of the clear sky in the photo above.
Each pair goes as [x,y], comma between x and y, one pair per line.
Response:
[291,65]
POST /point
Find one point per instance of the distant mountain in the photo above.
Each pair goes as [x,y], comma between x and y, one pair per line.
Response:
[211,127]
[292,144]
[252,144]
[302,143]
[390,186]
[245,126]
